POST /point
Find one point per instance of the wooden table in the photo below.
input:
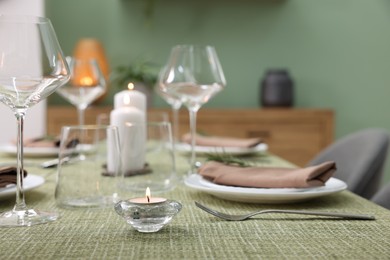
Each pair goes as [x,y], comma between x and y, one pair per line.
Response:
[194,234]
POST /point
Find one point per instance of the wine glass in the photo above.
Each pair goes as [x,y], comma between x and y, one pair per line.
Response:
[32,67]
[193,75]
[175,104]
[86,84]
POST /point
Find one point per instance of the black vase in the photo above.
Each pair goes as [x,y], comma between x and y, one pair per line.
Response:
[277,89]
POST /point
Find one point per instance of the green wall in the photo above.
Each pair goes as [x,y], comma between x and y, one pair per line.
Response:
[338,51]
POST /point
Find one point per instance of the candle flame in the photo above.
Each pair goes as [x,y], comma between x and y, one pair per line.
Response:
[130,86]
[126,100]
[148,194]
[86,81]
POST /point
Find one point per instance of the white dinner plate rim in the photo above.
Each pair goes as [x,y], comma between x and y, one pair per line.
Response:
[10,149]
[30,151]
[186,148]
[30,182]
[264,195]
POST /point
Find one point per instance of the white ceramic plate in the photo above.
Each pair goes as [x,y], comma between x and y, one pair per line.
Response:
[263,195]
[30,182]
[186,148]
[31,151]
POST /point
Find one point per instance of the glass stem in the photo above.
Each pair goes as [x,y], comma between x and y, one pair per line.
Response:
[175,120]
[193,143]
[80,113]
[20,202]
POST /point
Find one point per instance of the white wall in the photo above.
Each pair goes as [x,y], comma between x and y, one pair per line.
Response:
[27,7]
[35,123]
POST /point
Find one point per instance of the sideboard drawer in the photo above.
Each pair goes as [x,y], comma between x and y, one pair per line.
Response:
[294,134]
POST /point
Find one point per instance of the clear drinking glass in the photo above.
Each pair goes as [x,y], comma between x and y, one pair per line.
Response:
[32,67]
[89,168]
[103,119]
[86,84]
[157,116]
[148,158]
[152,116]
[193,75]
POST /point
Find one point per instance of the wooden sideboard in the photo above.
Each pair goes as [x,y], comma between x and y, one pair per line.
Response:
[294,134]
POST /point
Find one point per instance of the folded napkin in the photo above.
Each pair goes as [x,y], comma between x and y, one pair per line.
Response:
[47,142]
[264,177]
[220,141]
[41,142]
[8,176]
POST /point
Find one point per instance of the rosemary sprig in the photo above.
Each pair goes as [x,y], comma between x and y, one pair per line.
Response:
[226,158]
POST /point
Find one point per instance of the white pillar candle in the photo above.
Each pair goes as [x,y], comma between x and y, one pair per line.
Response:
[126,115]
[130,108]
[130,97]
[129,115]
[132,137]
[134,148]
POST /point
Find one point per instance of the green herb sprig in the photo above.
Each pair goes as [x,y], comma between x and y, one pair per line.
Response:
[228,159]
[140,70]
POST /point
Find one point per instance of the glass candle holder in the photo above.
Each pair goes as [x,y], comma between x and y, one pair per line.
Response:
[148,217]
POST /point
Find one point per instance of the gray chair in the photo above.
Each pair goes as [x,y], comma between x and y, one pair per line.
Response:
[382,197]
[359,158]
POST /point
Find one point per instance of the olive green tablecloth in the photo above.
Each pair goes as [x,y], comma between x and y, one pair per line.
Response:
[194,234]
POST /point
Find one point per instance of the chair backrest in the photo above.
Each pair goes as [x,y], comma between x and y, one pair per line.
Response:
[359,158]
[382,197]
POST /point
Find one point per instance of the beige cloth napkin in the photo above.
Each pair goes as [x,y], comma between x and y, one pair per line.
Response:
[8,176]
[264,177]
[47,142]
[41,142]
[220,141]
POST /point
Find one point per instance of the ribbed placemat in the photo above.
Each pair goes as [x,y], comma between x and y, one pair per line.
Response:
[194,234]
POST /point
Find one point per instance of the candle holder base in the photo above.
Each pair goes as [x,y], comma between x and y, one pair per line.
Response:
[148,217]
[145,170]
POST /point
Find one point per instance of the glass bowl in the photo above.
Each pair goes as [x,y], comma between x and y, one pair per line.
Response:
[148,217]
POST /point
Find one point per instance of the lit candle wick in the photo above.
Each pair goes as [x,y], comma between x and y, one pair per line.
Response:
[130,86]
[148,195]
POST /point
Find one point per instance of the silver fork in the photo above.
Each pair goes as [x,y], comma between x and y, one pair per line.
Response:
[303,212]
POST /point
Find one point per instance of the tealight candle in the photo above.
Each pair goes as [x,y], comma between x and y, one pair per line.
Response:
[148,199]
